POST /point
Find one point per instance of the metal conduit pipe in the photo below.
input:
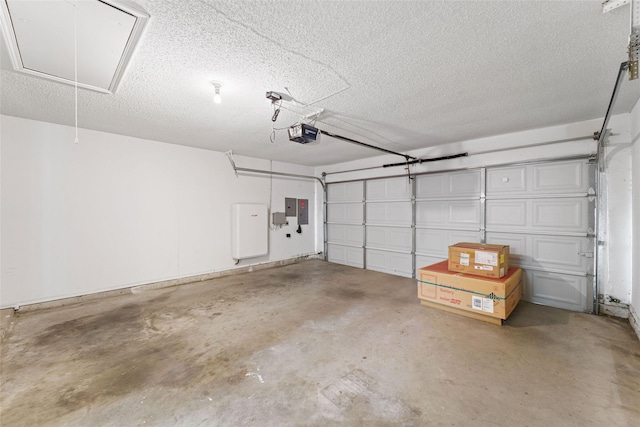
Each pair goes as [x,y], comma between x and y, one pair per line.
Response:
[265,172]
[293,175]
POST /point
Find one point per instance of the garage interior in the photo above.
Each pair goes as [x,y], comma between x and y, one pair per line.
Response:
[140,143]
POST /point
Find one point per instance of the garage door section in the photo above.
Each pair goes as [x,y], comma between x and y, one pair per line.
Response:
[448,211]
[389,226]
[546,214]
[345,223]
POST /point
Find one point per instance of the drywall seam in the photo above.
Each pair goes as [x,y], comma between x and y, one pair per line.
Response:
[162,284]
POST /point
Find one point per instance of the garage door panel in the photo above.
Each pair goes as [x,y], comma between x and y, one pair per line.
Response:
[562,253]
[345,234]
[389,189]
[448,213]
[563,215]
[569,177]
[389,238]
[431,241]
[560,178]
[389,262]
[430,214]
[526,285]
[506,180]
[464,184]
[345,213]
[424,261]
[506,214]
[345,192]
[455,184]
[346,255]
[467,213]
[389,213]
[457,236]
[519,252]
[431,186]
[559,290]
[436,242]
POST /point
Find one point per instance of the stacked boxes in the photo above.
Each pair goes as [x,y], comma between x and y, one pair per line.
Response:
[472,292]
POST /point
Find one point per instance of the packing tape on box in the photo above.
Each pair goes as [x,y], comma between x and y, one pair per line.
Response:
[492,296]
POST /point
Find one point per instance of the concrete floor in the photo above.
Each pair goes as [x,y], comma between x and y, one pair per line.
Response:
[313,344]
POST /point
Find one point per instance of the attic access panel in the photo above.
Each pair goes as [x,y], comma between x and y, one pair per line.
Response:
[41,37]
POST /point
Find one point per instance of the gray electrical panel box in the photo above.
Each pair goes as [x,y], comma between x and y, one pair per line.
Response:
[279,218]
[290,206]
[303,211]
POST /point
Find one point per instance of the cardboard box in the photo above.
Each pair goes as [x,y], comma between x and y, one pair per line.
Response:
[479,259]
[488,298]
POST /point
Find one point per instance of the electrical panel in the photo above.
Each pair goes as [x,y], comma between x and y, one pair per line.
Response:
[303,211]
[279,218]
[290,206]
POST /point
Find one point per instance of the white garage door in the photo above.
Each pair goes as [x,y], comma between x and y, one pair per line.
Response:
[345,223]
[448,211]
[388,226]
[545,212]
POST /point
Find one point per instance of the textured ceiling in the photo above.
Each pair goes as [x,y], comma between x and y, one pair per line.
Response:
[403,75]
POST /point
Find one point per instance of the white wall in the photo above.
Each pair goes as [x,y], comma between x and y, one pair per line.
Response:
[115,211]
[618,245]
[635,292]
[616,277]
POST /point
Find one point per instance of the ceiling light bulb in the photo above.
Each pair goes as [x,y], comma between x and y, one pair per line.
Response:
[217,98]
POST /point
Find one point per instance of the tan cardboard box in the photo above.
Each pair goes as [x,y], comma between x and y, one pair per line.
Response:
[485,298]
[479,259]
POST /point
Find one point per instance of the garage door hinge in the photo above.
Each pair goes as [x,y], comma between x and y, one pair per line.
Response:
[634,53]
[586,254]
[609,5]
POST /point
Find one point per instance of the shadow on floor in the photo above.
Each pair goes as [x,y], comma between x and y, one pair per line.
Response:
[528,314]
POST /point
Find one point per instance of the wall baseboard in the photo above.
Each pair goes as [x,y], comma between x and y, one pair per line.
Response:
[615,310]
[6,322]
[162,284]
[610,308]
[634,319]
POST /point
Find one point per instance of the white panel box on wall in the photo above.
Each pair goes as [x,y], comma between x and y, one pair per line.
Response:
[249,231]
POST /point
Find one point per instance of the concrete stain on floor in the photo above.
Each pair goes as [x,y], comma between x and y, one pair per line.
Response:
[357,394]
[313,344]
